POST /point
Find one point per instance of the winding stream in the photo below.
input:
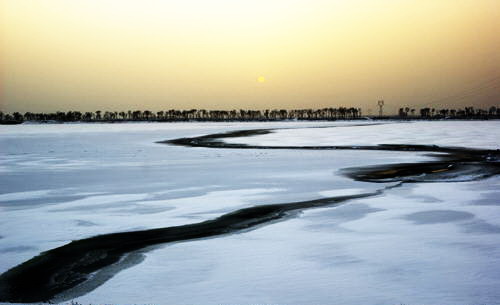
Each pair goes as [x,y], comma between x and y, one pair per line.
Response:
[82,265]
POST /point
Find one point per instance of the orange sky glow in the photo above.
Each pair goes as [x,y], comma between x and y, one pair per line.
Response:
[225,54]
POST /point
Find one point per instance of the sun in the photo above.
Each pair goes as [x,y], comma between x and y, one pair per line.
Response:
[261,79]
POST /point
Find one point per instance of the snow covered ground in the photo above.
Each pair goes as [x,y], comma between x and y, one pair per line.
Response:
[428,243]
[479,134]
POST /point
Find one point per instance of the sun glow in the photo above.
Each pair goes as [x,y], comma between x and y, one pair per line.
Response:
[118,54]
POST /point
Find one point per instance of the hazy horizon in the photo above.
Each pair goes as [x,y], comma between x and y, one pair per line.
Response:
[156,55]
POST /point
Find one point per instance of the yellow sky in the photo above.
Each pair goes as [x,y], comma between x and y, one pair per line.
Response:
[152,54]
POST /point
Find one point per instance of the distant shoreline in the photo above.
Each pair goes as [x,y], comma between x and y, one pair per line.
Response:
[246,115]
[374,118]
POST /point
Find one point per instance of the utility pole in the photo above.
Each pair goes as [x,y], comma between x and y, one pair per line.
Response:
[380,104]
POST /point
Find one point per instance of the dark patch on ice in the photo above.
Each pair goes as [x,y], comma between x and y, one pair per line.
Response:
[16,249]
[425,198]
[333,218]
[85,223]
[492,198]
[472,246]
[31,203]
[328,257]
[438,216]
[349,212]
[402,272]
[146,209]
[95,207]
[344,259]
[405,191]
[176,194]
[481,226]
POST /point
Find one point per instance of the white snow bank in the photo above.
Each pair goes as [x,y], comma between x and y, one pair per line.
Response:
[480,134]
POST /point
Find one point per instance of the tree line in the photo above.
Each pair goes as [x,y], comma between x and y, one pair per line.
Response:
[446,113]
[173,115]
[203,115]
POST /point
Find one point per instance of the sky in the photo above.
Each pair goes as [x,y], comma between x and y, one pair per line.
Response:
[224,54]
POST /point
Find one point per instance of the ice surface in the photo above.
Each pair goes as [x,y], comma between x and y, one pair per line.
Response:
[24,195]
[342,192]
[428,243]
[479,134]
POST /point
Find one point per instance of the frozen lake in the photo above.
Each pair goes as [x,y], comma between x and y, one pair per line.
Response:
[419,243]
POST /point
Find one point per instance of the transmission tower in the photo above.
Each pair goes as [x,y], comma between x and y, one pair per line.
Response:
[380,104]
